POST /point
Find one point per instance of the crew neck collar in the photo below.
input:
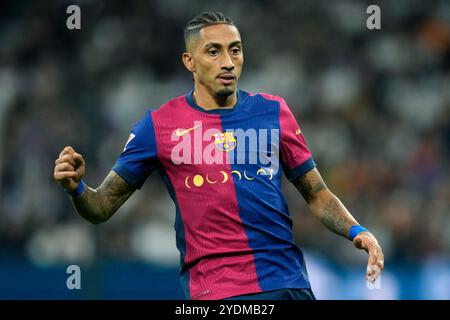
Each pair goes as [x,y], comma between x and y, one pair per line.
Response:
[191,102]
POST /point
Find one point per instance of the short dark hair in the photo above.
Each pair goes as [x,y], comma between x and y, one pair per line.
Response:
[203,20]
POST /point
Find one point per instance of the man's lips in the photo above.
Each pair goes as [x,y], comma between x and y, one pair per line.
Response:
[227,78]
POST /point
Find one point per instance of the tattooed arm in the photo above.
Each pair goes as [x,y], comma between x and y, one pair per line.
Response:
[98,205]
[324,204]
[333,214]
[94,205]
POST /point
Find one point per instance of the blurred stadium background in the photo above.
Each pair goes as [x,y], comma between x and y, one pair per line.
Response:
[374,107]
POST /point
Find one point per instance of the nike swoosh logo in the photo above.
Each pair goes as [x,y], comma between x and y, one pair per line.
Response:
[180,132]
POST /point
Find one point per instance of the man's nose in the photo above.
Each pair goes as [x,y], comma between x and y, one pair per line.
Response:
[227,62]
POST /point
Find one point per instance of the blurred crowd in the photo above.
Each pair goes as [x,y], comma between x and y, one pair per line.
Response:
[374,106]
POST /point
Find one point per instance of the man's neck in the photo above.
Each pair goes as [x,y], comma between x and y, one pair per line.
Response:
[207,101]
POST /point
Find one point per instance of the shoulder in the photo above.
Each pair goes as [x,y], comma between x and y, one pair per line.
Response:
[169,107]
[163,113]
[270,100]
[268,97]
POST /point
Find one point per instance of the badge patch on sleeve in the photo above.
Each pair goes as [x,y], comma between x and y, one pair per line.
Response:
[130,137]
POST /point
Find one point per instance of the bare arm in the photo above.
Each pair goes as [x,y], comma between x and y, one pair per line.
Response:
[94,205]
[333,214]
[98,205]
[324,204]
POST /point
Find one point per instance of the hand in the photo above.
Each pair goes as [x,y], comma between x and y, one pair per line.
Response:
[69,169]
[375,265]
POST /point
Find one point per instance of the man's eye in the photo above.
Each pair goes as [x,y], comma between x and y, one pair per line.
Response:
[212,53]
[236,50]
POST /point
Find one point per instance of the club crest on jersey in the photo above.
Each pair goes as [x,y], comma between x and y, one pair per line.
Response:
[225,141]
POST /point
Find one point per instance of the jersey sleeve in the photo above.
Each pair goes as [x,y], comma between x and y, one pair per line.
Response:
[139,157]
[296,158]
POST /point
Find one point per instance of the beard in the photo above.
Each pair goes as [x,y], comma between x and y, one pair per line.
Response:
[225,92]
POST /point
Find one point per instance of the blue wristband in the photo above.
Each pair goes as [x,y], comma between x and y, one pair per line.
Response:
[355,230]
[78,191]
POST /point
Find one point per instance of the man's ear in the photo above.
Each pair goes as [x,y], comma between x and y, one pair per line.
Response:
[188,61]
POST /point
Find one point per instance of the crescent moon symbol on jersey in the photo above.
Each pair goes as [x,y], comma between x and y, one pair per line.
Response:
[186,182]
[271,173]
[261,170]
[209,181]
[245,176]
[225,176]
[265,172]
[238,174]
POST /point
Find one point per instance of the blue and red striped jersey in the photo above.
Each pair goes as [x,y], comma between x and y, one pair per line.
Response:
[223,170]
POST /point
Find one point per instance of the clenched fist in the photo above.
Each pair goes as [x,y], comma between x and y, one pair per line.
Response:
[69,169]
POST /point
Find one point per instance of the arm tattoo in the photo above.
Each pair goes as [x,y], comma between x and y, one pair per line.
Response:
[310,184]
[98,205]
[324,204]
[335,217]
